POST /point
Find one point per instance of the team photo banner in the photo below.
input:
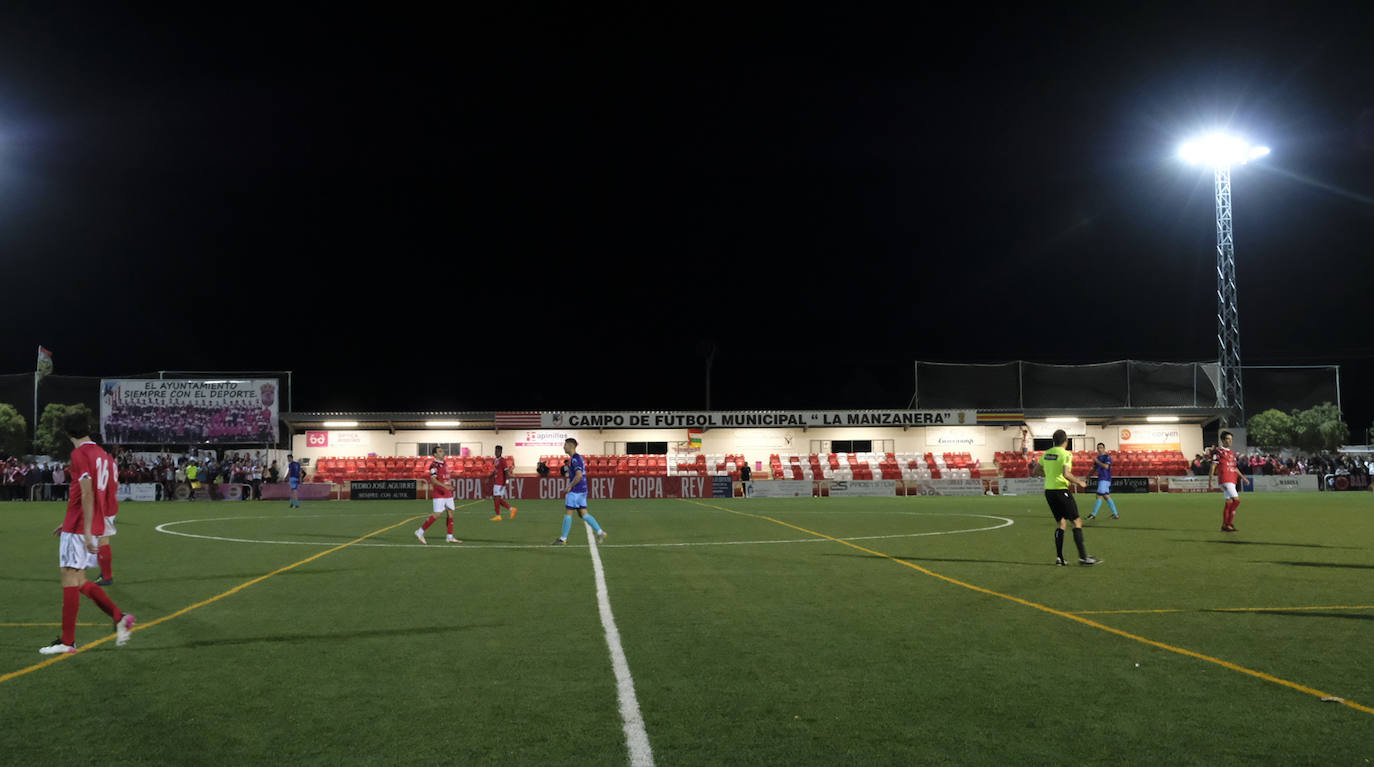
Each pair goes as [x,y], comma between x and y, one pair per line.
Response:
[726,419]
[187,411]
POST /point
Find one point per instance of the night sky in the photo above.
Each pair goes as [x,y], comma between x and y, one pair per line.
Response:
[562,208]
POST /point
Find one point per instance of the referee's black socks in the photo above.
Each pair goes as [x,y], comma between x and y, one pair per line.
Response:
[1078,541]
[1059,542]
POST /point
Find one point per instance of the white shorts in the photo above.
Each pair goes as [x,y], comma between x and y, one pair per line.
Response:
[1228,490]
[498,491]
[71,552]
[109,527]
[443,503]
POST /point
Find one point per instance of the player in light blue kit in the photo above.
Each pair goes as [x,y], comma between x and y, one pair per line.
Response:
[293,478]
[1103,463]
[576,499]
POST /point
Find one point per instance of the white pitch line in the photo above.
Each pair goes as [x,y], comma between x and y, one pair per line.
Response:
[636,737]
[164,528]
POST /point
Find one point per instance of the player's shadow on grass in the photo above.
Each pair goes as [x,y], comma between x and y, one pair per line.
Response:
[919,560]
[1093,525]
[1325,564]
[238,576]
[340,636]
[1234,542]
[1305,614]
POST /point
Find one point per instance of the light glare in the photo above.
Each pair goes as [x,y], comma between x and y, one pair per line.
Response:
[1220,150]
[340,424]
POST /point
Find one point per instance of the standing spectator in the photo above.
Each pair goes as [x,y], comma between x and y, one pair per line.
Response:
[47,481]
[59,482]
[273,474]
[1027,441]
[33,482]
[255,479]
[193,477]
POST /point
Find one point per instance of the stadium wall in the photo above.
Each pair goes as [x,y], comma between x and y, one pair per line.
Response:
[527,446]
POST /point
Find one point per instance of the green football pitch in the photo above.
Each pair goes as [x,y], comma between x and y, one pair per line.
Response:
[779,632]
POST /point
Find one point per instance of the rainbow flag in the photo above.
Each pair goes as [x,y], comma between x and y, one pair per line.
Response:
[1001,417]
[694,438]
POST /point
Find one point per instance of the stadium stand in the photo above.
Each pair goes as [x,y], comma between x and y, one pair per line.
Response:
[842,466]
[708,466]
[1125,463]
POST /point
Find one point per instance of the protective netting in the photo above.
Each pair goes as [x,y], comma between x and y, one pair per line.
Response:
[1128,383]
[1070,386]
[1171,384]
[1288,388]
[941,385]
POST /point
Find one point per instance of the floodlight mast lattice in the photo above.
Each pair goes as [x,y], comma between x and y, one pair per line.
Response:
[1221,152]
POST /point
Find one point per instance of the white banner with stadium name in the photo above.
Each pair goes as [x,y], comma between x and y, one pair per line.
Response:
[137,491]
[188,411]
[780,488]
[857,487]
[944,486]
[1295,483]
[722,419]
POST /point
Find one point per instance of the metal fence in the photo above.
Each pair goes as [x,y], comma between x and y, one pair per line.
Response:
[1122,384]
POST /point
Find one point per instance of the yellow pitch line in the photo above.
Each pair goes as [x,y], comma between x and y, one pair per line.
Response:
[1060,613]
[211,600]
[1222,610]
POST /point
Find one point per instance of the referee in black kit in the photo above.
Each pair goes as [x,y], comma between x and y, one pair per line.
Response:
[1056,465]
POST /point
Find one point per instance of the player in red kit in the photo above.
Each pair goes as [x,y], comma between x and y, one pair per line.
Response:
[107,487]
[85,521]
[499,473]
[442,492]
[1230,475]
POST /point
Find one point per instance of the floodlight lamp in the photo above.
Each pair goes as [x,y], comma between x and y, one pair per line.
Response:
[1061,419]
[433,424]
[1161,419]
[340,424]
[1220,151]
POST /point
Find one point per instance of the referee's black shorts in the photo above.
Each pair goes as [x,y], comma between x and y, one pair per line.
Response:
[1062,505]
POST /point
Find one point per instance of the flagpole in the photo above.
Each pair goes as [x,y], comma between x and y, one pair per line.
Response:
[34,444]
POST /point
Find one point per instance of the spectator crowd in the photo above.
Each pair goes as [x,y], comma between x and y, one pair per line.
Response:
[1255,461]
[34,481]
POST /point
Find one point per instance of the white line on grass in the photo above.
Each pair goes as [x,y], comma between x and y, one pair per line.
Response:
[636,738]
[165,528]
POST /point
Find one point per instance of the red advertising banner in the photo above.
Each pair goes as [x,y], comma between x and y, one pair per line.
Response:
[552,488]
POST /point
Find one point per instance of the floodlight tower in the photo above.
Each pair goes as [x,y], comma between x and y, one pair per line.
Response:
[1221,152]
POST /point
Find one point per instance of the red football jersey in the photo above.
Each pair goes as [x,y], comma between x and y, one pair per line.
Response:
[439,471]
[107,489]
[1226,465]
[89,461]
[500,472]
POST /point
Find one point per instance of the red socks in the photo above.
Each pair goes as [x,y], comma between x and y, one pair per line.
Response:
[450,525]
[98,595]
[428,522]
[71,605]
[1228,512]
[106,560]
